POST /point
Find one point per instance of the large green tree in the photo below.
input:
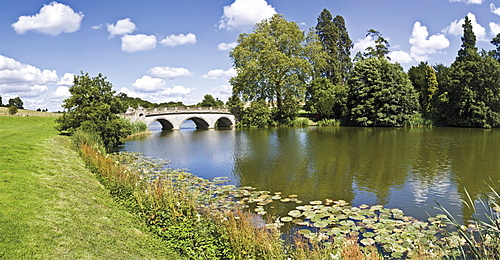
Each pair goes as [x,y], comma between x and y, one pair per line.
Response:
[210,101]
[326,100]
[94,108]
[336,42]
[272,66]
[380,50]
[16,102]
[474,86]
[380,94]
[423,78]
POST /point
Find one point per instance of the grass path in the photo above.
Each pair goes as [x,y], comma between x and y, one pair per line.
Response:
[52,207]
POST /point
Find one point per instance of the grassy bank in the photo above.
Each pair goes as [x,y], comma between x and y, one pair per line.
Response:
[52,207]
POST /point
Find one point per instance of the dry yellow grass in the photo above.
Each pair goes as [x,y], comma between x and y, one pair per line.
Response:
[24,112]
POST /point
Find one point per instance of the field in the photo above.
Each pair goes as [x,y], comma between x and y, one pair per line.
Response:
[25,112]
[52,207]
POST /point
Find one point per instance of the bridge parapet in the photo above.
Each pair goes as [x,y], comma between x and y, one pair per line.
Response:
[186,109]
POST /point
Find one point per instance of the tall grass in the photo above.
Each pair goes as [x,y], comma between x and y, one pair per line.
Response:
[481,237]
[419,121]
[137,127]
[329,122]
[300,121]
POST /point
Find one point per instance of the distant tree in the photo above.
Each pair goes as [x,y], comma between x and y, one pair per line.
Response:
[39,109]
[381,48]
[127,102]
[272,66]
[210,101]
[335,40]
[171,104]
[12,110]
[423,78]
[93,107]
[469,49]
[236,106]
[257,115]
[17,102]
[344,50]
[496,41]
[326,100]
[380,94]
[1,104]
[474,87]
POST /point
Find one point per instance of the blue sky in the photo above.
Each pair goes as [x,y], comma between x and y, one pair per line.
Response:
[179,50]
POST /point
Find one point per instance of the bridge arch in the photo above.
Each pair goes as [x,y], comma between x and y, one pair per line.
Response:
[165,124]
[200,122]
[171,118]
[224,122]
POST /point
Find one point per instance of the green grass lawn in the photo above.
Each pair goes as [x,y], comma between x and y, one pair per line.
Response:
[52,207]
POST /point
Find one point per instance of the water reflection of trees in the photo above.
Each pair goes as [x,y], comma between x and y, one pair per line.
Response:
[320,163]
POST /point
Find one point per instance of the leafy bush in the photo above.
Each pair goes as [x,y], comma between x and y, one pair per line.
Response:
[12,110]
[257,115]
[301,121]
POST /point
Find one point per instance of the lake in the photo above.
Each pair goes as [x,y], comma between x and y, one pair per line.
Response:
[405,168]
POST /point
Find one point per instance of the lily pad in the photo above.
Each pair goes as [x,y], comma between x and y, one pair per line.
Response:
[286,219]
[295,213]
[368,234]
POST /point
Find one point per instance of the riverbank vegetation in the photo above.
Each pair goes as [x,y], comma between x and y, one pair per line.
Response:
[285,68]
[207,219]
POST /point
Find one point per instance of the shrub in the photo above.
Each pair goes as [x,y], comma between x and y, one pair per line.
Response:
[300,121]
[328,122]
[12,110]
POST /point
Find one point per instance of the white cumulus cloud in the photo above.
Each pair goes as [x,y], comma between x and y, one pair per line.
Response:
[494,9]
[149,84]
[124,26]
[138,42]
[66,80]
[455,28]
[226,46]
[16,76]
[181,39]
[216,74]
[169,72]
[362,44]
[400,56]
[494,28]
[176,91]
[244,13]
[52,19]
[62,92]
[477,2]
[422,45]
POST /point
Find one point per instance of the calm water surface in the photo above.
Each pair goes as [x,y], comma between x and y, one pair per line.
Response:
[401,168]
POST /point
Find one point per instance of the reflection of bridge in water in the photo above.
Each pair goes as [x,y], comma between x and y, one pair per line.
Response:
[171,118]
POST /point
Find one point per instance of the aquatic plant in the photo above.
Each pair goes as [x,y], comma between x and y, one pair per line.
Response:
[481,237]
[328,122]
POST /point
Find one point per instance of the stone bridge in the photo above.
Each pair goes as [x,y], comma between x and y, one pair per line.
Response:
[171,118]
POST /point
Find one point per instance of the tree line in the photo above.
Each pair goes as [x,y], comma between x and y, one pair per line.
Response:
[282,70]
